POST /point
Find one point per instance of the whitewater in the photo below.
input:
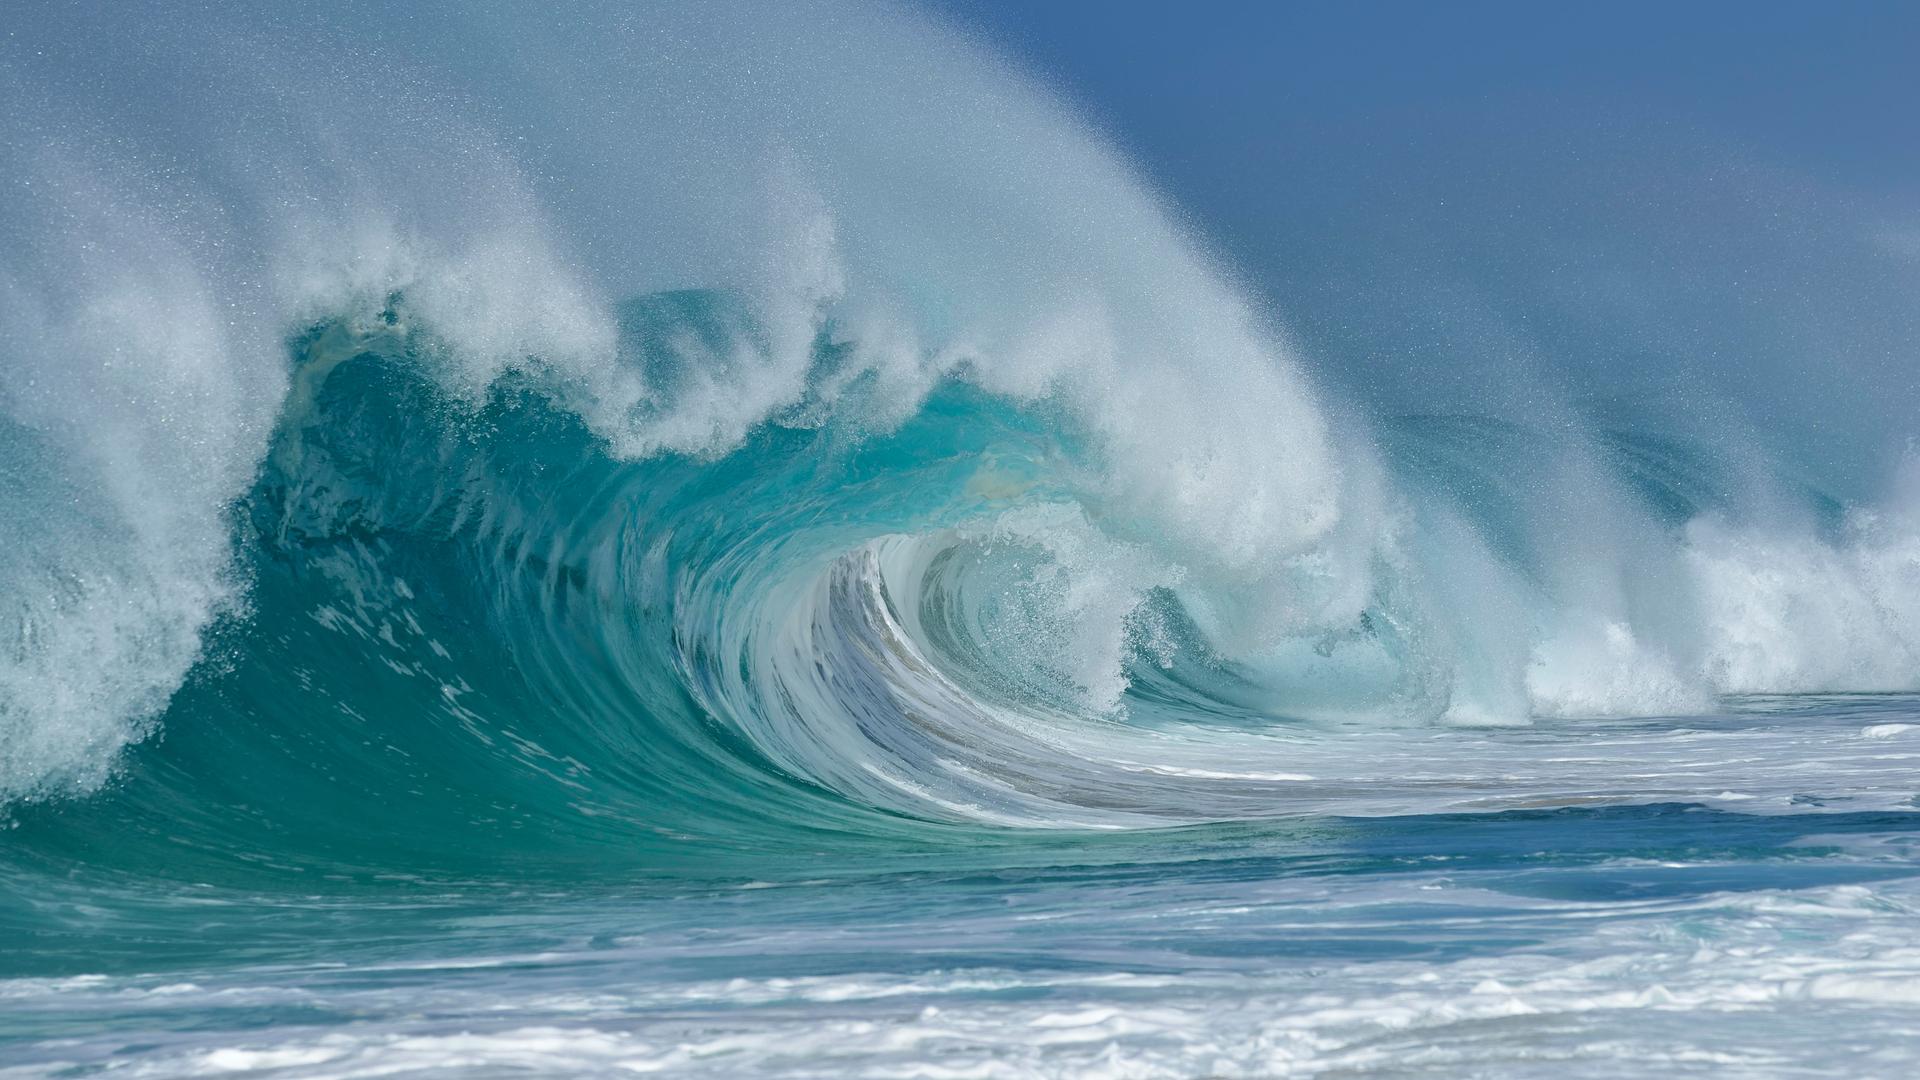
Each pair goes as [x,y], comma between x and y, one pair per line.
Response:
[756,542]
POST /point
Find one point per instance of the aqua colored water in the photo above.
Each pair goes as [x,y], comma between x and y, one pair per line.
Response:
[752,543]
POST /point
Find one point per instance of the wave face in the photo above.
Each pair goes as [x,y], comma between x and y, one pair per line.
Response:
[467,446]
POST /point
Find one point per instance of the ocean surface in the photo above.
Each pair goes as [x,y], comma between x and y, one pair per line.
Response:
[754,543]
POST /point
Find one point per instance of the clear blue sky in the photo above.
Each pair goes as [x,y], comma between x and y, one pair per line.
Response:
[1837,82]
[1614,199]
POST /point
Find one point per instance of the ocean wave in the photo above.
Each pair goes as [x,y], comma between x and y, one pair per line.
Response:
[660,460]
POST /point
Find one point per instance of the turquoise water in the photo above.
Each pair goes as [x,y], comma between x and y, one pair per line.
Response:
[489,777]
[465,614]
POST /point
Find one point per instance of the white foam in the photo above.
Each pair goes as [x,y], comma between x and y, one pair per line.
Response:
[1753,983]
[1793,614]
[133,405]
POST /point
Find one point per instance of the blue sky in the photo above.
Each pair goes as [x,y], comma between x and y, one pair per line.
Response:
[1481,205]
[1833,83]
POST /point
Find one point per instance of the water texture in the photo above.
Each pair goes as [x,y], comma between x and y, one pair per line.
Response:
[751,542]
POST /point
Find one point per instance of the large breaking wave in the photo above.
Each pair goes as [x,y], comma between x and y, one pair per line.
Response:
[686,424]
